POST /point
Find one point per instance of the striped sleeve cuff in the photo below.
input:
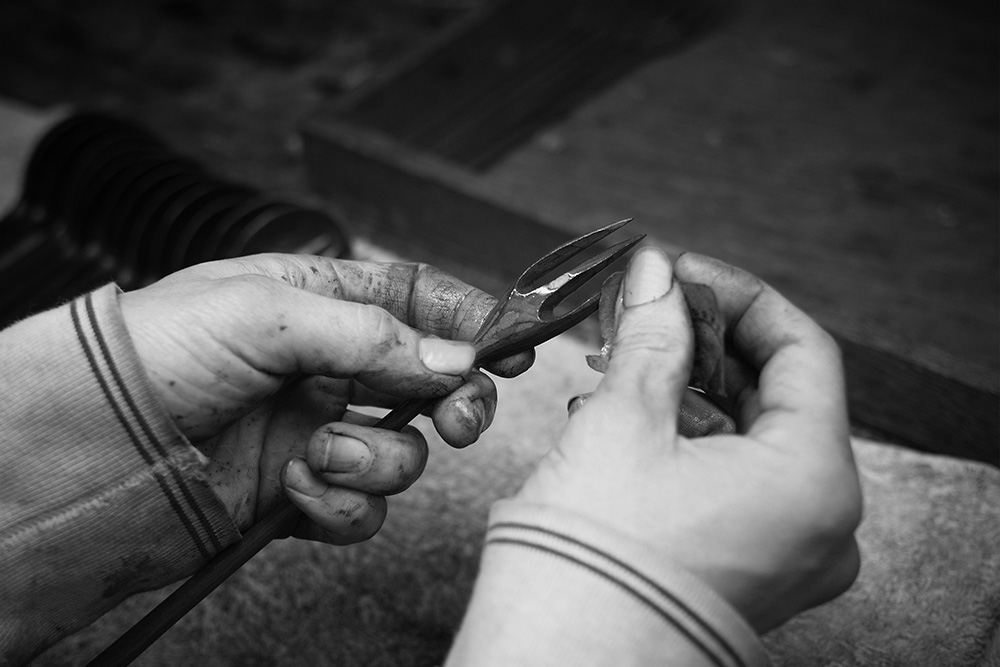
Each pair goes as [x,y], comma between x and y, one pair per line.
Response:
[156,447]
[568,591]
[105,497]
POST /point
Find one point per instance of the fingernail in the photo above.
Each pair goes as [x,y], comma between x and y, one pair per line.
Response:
[576,403]
[471,415]
[648,277]
[344,454]
[450,357]
[482,415]
[299,478]
[489,412]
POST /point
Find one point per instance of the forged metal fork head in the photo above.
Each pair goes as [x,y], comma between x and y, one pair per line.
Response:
[525,316]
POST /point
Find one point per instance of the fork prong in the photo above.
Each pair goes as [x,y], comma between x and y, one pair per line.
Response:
[583,311]
[534,274]
[572,280]
[546,329]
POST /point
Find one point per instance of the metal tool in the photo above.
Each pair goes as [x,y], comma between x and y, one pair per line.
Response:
[523,317]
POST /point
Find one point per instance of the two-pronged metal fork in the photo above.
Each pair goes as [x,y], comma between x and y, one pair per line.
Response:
[522,318]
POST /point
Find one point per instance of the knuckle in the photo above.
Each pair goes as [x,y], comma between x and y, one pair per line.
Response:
[448,307]
[287,269]
[381,322]
[248,282]
[235,295]
[250,292]
[379,326]
[424,271]
[653,346]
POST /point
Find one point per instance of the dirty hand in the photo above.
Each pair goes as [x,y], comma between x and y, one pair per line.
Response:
[258,359]
[766,517]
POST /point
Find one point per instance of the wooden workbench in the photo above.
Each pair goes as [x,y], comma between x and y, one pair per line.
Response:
[845,153]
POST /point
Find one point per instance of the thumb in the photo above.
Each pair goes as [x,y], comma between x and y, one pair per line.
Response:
[316,335]
[653,346]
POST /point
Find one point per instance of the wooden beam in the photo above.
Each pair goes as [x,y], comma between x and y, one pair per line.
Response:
[427,208]
[511,68]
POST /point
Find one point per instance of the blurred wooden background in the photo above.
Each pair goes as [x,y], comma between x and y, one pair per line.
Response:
[846,152]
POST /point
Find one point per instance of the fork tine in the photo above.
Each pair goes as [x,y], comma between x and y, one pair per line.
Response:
[575,278]
[583,311]
[533,275]
[529,337]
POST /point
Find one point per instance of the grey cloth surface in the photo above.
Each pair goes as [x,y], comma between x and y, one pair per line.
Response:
[928,594]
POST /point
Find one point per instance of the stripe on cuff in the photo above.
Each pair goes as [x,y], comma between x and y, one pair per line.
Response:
[143,437]
[674,611]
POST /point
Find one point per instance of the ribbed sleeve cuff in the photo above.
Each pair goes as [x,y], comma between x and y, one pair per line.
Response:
[569,591]
[104,496]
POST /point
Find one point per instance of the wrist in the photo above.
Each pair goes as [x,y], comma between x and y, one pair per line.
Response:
[109,498]
[556,588]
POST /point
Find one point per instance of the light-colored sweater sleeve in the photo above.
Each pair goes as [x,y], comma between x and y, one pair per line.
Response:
[100,495]
[556,589]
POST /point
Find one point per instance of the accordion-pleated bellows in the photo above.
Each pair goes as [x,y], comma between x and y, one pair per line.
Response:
[104,199]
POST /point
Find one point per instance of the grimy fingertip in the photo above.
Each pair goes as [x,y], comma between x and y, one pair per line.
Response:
[300,479]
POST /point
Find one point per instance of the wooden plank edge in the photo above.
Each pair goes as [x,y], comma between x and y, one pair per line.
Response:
[410,62]
[401,195]
[425,207]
